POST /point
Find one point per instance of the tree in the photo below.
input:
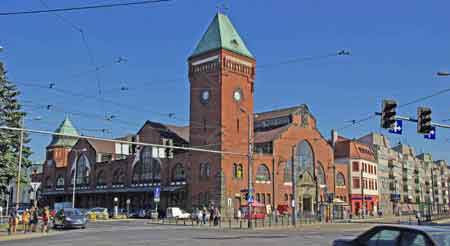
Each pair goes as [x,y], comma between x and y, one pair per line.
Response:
[10,115]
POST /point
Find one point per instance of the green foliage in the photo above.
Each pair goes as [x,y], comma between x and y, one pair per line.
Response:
[10,115]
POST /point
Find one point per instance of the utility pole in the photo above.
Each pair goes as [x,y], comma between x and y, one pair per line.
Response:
[20,164]
[250,170]
[294,195]
[363,208]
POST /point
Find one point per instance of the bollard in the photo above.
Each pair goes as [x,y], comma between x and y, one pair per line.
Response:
[229,223]
[282,220]
[176,221]
[263,222]
[270,222]
[184,221]
[240,224]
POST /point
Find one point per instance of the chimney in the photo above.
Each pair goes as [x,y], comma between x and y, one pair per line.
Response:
[334,137]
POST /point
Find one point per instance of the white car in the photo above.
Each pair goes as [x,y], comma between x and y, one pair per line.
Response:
[176,212]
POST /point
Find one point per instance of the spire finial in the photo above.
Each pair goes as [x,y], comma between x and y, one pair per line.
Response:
[221,8]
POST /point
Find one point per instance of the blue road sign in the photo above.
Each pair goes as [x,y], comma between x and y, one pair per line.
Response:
[157,192]
[398,127]
[432,134]
[250,199]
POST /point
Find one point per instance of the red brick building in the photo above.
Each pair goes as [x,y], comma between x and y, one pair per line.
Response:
[222,77]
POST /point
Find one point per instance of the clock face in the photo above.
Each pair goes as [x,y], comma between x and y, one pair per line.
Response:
[237,95]
[205,96]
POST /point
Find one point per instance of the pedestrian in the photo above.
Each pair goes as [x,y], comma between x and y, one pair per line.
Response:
[12,221]
[204,215]
[26,221]
[45,219]
[238,215]
[216,216]
[211,215]
[33,219]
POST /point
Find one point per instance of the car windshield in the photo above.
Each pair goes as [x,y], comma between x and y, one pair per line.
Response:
[72,212]
[442,238]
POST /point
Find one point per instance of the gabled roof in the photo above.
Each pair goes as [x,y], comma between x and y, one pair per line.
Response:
[66,127]
[280,112]
[169,131]
[221,34]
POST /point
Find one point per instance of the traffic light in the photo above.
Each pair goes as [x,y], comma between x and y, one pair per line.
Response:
[388,114]
[424,120]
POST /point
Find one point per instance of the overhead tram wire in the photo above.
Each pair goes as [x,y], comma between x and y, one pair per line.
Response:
[88,7]
[171,115]
[121,141]
[420,99]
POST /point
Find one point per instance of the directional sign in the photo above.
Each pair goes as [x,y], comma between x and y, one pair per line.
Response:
[432,134]
[35,185]
[398,127]
[157,194]
[250,199]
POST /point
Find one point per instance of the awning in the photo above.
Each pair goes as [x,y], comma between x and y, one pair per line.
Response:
[171,188]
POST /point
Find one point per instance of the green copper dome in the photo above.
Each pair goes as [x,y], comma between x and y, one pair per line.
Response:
[221,34]
[66,127]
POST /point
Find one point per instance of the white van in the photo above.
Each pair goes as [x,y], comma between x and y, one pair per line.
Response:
[176,212]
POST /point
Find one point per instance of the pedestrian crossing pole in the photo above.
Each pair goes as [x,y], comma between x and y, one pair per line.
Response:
[20,165]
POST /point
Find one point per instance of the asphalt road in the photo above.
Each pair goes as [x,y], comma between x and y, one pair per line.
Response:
[133,233]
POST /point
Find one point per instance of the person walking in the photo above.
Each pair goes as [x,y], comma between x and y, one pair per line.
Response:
[33,219]
[45,219]
[204,216]
[26,221]
[12,221]
[211,215]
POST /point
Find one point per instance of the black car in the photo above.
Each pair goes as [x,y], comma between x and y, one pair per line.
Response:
[70,218]
[399,235]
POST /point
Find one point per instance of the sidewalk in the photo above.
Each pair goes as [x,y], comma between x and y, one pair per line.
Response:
[20,235]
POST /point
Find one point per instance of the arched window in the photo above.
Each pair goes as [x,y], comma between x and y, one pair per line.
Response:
[320,174]
[146,160]
[240,171]
[83,170]
[137,171]
[101,178]
[60,182]
[288,172]
[340,179]
[118,177]
[147,169]
[304,159]
[178,173]
[262,174]
[205,170]
[48,183]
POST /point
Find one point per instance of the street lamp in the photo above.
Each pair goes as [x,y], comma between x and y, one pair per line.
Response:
[250,164]
[22,124]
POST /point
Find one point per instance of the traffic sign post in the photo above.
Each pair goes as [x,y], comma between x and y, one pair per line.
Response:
[431,135]
[397,128]
[34,187]
[156,197]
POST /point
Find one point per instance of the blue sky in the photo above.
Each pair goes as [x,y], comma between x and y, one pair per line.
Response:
[397,47]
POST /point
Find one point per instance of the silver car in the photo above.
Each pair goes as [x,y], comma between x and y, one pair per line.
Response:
[398,235]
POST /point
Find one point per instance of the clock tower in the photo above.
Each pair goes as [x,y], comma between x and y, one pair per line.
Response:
[221,74]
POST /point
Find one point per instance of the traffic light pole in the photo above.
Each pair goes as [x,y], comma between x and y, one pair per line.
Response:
[415,120]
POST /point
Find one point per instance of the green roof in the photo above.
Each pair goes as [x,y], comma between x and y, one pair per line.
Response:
[66,127]
[221,34]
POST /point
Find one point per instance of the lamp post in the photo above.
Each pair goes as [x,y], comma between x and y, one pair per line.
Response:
[294,194]
[250,165]
[19,168]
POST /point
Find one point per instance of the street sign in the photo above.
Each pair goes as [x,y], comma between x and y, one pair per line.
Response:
[250,199]
[431,135]
[398,127]
[157,194]
[35,185]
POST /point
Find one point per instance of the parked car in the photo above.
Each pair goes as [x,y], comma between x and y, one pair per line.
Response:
[98,212]
[152,214]
[70,218]
[176,212]
[388,235]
